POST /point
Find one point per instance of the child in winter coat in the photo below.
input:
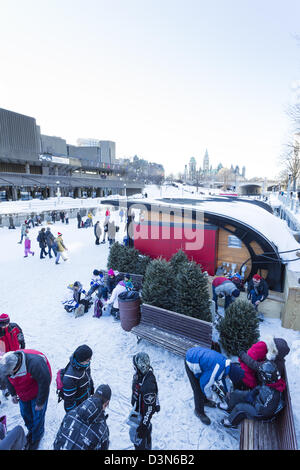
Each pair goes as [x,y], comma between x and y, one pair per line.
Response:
[27,246]
[273,349]
[97,284]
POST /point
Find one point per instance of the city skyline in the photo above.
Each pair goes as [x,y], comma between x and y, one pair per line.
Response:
[164,80]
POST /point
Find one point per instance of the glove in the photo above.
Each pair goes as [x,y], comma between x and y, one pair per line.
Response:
[141,431]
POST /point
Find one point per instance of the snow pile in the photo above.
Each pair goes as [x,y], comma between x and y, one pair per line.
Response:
[32,290]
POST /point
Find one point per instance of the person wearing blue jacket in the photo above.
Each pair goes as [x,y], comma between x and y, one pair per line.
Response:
[204,367]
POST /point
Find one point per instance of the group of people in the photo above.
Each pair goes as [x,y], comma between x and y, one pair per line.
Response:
[255,390]
[107,294]
[26,375]
[63,216]
[230,288]
[48,243]
[56,245]
[257,381]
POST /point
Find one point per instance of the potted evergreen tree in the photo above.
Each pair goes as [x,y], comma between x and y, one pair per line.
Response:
[239,328]
[192,294]
[159,285]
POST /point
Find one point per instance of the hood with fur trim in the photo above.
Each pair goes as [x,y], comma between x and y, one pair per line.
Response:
[277,348]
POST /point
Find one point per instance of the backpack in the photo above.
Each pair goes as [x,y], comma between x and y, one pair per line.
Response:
[59,383]
[98,308]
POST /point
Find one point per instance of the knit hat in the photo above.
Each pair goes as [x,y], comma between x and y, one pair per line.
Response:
[104,391]
[236,373]
[8,363]
[4,319]
[257,277]
[236,293]
[127,276]
[111,272]
[83,353]
[96,272]
[59,234]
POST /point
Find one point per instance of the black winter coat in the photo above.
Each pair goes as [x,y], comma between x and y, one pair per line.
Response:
[41,238]
[77,384]
[145,396]
[84,428]
[261,289]
[266,400]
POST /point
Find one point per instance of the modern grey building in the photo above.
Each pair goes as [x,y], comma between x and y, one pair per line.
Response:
[34,165]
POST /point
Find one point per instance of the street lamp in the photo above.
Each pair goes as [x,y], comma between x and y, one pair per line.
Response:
[58,193]
[125,192]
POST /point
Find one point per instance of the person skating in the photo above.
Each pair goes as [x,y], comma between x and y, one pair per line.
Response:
[204,367]
[61,248]
[27,247]
[144,400]
[50,240]
[111,232]
[77,381]
[23,232]
[28,375]
[97,232]
[85,427]
[262,402]
[41,238]
[79,218]
[105,227]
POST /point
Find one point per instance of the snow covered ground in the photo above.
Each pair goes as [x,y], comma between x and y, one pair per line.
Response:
[31,293]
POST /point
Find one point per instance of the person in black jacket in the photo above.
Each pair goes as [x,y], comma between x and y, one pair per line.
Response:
[85,427]
[257,290]
[262,402]
[41,238]
[144,399]
[50,240]
[77,381]
[79,219]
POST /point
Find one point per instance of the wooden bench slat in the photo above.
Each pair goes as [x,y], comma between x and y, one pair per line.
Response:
[278,434]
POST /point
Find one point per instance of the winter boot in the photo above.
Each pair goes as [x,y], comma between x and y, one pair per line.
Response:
[79,311]
[202,416]
[227,424]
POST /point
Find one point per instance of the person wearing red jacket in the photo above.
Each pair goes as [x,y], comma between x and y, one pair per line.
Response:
[272,349]
[11,335]
[28,375]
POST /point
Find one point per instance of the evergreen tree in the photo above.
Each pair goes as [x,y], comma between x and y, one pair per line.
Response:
[158,284]
[192,294]
[239,329]
[115,256]
[178,261]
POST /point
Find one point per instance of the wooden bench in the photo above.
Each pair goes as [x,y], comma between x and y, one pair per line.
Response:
[277,434]
[172,331]
[137,279]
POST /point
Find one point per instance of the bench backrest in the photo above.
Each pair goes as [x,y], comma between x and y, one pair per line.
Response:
[285,422]
[197,330]
[137,279]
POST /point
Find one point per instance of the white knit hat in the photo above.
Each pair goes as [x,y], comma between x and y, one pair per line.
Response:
[8,363]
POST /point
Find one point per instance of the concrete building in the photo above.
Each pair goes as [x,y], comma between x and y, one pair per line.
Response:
[33,165]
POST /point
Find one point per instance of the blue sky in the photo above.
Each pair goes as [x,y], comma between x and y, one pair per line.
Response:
[164,79]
